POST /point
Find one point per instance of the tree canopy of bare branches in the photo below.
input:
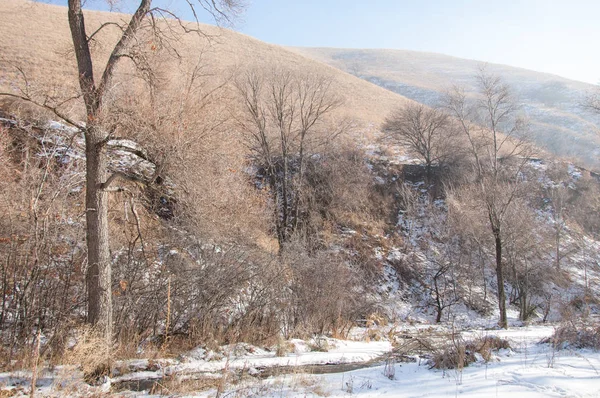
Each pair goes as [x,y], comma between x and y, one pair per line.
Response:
[592,101]
[284,124]
[495,135]
[426,131]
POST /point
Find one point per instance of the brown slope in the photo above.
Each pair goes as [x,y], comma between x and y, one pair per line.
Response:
[553,104]
[35,37]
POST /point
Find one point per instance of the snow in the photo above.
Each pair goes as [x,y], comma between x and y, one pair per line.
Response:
[245,356]
[574,172]
[528,369]
[54,125]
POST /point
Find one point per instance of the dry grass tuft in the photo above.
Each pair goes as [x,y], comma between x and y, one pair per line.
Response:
[284,347]
[576,335]
[90,353]
[459,354]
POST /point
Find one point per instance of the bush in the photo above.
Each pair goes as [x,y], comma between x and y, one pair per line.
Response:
[486,345]
[576,335]
[460,354]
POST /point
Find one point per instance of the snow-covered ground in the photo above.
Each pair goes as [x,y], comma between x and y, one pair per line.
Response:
[528,369]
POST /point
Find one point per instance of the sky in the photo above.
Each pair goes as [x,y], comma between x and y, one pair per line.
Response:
[554,36]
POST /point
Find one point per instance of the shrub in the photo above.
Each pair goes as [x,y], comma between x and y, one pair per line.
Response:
[576,335]
[460,354]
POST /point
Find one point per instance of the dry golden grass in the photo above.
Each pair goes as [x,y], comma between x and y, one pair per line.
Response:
[35,37]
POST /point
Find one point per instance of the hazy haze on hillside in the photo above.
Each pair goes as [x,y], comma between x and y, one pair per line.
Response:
[559,122]
[550,36]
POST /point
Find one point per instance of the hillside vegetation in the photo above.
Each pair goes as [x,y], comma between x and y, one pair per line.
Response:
[255,202]
[554,105]
[195,220]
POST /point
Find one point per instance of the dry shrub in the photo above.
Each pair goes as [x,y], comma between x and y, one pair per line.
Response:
[407,268]
[284,347]
[343,189]
[319,344]
[460,354]
[576,335]
[361,251]
[185,127]
[578,306]
[41,240]
[452,357]
[487,345]
[173,385]
[374,335]
[479,305]
[326,295]
[90,353]
[208,293]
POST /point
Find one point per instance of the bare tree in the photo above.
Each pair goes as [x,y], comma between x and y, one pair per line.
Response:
[558,203]
[426,131]
[95,91]
[495,135]
[284,123]
[443,259]
[526,256]
[592,101]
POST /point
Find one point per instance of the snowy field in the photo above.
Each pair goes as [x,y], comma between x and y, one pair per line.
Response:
[528,369]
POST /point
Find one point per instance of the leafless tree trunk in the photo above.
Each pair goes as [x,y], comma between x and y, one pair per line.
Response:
[499,152]
[558,197]
[98,278]
[97,181]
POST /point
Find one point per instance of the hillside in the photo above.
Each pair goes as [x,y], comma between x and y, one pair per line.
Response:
[257,225]
[36,38]
[552,103]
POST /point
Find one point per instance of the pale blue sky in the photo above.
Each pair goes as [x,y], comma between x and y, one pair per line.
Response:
[554,36]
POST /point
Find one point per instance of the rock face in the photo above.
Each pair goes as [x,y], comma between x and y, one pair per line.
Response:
[126,157]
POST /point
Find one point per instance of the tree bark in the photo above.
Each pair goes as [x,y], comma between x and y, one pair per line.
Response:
[98,278]
[503,322]
[84,58]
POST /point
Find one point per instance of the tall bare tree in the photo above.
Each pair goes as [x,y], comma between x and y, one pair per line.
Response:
[95,91]
[495,134]
[426,131]
[284,124]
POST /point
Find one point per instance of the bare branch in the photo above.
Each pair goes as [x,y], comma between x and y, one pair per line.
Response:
[122,45]
[52,109]
[120,175]
[104,25]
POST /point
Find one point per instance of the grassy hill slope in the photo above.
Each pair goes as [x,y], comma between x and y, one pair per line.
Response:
[553,104]
[36,38]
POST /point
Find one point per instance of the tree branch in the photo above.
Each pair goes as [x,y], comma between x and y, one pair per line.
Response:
[105,186]
[48,107]
[128,34]
[105,24]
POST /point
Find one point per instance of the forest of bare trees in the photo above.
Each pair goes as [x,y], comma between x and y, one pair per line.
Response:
[168,202]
